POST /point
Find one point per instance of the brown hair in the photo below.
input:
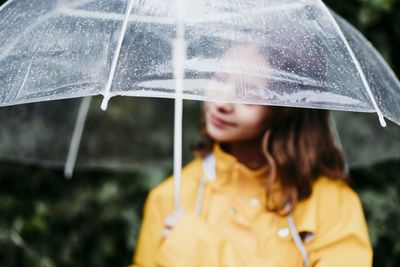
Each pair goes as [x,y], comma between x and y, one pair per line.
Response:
[299,147]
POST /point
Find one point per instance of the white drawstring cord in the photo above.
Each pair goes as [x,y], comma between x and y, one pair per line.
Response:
[209,173]
[200,193]
[297,240]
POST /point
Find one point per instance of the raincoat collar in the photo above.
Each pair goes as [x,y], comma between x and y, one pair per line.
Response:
[227,163]
[229,171]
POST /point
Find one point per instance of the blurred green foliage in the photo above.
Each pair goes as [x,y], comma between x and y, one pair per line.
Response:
[94,218]
[90,220]
[379,189]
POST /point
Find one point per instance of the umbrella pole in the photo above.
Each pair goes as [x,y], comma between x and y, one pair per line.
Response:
[177,150]
[179,53]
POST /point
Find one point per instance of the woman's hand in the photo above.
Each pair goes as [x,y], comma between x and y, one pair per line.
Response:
[171,220]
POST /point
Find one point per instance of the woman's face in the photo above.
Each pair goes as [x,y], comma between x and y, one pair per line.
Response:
[228,122]
[231,122]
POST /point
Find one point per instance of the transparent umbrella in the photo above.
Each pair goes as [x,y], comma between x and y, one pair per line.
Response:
[65,49]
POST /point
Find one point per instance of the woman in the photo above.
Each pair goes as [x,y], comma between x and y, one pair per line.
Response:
[268,188]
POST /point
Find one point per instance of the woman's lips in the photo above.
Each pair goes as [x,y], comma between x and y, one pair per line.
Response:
[219,122]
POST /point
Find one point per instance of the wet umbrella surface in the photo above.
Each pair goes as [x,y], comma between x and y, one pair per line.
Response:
[64,49]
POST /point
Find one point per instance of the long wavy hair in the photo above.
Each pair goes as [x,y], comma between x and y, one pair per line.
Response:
[299,147]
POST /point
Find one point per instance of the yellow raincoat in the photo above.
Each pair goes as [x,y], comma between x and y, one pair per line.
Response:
[234,229]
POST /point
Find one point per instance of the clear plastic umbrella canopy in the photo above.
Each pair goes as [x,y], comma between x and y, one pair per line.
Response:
[297,53]
[64,49]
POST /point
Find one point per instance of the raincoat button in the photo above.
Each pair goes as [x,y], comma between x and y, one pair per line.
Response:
[232,211]
[283,232]
[254,202]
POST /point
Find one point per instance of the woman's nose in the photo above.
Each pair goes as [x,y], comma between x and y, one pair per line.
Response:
[224,107]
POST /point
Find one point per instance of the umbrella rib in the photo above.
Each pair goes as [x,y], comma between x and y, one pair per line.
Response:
[6,50]
[388,69]
[34,50]
[106,93]
[357,64]
[5,4]
[25,79]
[77,136]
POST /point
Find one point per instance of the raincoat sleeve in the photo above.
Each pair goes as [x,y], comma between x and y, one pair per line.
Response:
[150,237]
[342,238]
[194,243]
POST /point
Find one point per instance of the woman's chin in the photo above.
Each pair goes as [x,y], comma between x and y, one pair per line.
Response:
[220,137]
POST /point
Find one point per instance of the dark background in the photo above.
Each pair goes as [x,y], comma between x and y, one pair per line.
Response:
[93,219]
